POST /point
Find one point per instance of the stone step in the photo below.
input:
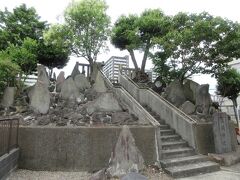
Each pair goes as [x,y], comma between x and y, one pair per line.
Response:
[167,132]
[164,126]
[174,144]
[183,160]
[168,138]
[192,169]
[180,152]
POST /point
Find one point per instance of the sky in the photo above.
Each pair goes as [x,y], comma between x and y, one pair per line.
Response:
[52,11]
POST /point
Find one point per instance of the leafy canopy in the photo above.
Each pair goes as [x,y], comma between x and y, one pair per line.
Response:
[15,26]
[228,83]
[54,49]
[139,33]
[89,26]
[8,71]
[24,55]
[195,45]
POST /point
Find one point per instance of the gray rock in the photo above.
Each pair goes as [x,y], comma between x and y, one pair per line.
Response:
[69,91]
[81,82]
[43,120]
[60,80]
[42,75]
[99,85]
[175,93]
[8,96]
[75,70]
[134,176]
[90,94]
[40,98]
[54,76]
[188,107]
[203,100]
[62,122]
[104,103]
[126,157]
[190,90]
[120,117]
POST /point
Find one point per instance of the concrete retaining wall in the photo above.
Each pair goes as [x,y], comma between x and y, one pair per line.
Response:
[77,149]
[8,162]
[198,136]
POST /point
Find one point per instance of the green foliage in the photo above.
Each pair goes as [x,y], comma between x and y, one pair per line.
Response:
[165,69]
[8,71]
[195,44]
[15,26]
[25,55]
[139,33]
[55,47]
[228,83]
[90,27]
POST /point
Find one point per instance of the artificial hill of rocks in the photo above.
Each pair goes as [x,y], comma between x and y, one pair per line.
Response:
[73,101]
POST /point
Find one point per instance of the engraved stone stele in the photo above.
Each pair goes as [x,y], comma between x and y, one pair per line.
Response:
[126,157]
[8,96]
[222,130]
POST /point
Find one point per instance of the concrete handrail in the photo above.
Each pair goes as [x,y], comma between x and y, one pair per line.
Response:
[161,98]
[134,102]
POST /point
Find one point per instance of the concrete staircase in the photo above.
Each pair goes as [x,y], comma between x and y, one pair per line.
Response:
[178,159]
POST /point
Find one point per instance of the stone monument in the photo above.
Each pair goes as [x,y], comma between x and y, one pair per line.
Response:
[223,137]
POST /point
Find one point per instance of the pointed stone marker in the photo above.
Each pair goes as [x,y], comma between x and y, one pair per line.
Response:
[126,157]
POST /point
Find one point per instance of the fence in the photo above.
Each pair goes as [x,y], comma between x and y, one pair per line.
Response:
[8,134]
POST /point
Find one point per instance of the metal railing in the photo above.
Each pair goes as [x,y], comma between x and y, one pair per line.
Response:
[8,134]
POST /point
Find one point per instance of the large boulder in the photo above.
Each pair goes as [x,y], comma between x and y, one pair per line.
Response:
[175,93]
[60,80]
[190,90]
[75,70]
[125,157]
[42,75]
[81,82]
[69,90]
[99,85]
[106,102]
[188,107]
[40,98]
[203,99]
[8,96]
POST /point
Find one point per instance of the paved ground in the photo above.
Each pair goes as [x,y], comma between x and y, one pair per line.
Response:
[226,173]
[21,174]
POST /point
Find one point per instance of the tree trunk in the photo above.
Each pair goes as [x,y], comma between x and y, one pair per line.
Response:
[235,110]
[145,56]
[90,60]
[133,59]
